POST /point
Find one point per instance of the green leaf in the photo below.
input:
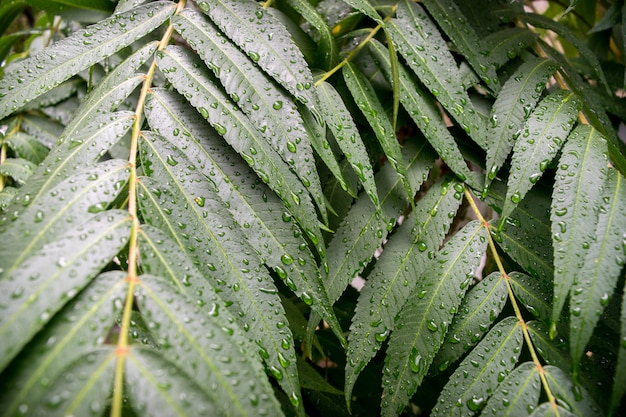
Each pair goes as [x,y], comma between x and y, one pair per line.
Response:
[578,189]
[64,206]
[542,136]
[28,79]
[46,131]
[6,196]
[212,352]
[452,20]
[481,371]
[504,45]
[83,388]
[17,168]
[363,230]
[619,381]
[238,131]
[158,387]
[79,151]
[209,234]
[269,109]
[572,397]
[366,8]
[312,380]
[581,47]
[397,272]
[513,105]
[27,147]
[110,92]
[254,206]
[367,101]
[525,235]
[603,262]
[548,410]
[534,294]
[424,112]
[56,272]
[267,42]
[479,309]
[343,128]
[421,324]
[72,333]
[327,51]
[418,40]
[517,394]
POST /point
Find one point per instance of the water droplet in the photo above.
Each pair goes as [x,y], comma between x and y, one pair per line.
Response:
[277,105]
[475,403]
[286,259]
[432,326]
[39,216]
[291,146]
[204,112]
[171,161]
[415,360]
[515,198]
[219,128]
[308,300]
[255,57]
[561,212]
[422,246]
[380,337]
[284,362]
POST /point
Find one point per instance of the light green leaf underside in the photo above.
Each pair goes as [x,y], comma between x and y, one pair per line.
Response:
[56,272]
[155,386]
[578,189]
[193,212]
[424,112]
[433,63]
[422,323]
[267,42]
[236,128]
[542,136]
[479,309]
[481,371]
[83,388]
[269,109]
[602,265]
[25,80]
[18,169]
[110,91]
[397,272]
[211,350]
[369,104]
[576,398]
[87,319]
[43,129]
[46,219]
[339,121]
[276,238]
[27,147]
[516,395]
[518,97]
[80,150]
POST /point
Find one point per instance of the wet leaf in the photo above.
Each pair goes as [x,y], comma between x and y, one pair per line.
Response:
[481,372]
[422,323]
[516,394]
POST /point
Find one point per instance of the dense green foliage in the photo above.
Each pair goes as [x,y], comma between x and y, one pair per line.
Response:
[312,207]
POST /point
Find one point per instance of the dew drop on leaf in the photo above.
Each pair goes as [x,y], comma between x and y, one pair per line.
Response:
[308,300]
[475,403]
[415,360]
